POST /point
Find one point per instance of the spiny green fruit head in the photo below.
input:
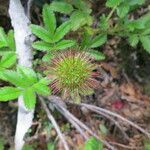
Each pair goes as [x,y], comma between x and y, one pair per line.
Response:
[72,74]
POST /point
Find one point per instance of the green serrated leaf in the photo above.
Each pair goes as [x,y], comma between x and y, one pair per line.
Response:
[2,44]
[45,81]
[146,31]
[61,7]
[3,36]
[123,10]
[49,19]
[135,2]
[96,55]
[145,19]
[145,40]
[47,57]
[135,24]
[98,40]
[5,50]
[14,78]
[11,40]
[8,60]
[62,30]
[42,88]
[50,146]
[133,40]
[42,46]
[79,18]
[93,144]
[2,76]
[9,93]
[103,24]
[113,3]
[29,97]
[138,24]
[90,30]
[27,74]
[85,43]
[64,44]
[41,33]
[82,5]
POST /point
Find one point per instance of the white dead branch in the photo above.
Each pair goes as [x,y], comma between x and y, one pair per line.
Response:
[20,23]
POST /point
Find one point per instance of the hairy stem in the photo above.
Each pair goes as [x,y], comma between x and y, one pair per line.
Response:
[111,13]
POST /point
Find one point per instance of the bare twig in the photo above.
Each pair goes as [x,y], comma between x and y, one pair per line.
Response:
[29,3]
[93,108]
[51,118]
[58,103]
[126,147]
[61,107]
[36,135]
[114,121]
[73,123]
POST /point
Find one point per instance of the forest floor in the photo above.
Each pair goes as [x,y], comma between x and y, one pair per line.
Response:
[124,88]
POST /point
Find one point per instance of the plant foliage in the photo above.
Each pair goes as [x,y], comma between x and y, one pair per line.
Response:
[51,36]
[93,144]
[7,49]
[26,83]
[54,35]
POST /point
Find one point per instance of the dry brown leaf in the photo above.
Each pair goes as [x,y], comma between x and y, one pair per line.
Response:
[113,71]
[128,88]
[79,140]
